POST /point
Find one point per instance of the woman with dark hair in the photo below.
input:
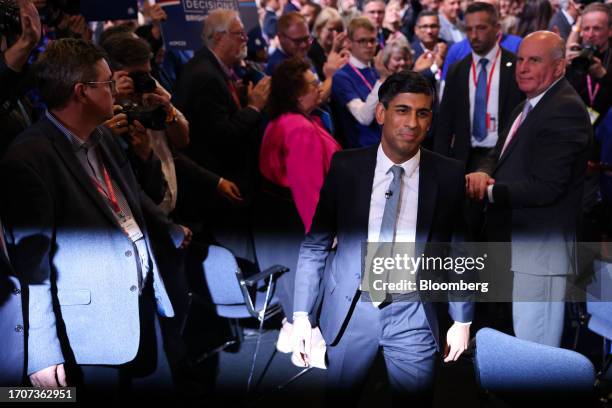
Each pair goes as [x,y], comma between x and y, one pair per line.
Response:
[294,159]
[535,17]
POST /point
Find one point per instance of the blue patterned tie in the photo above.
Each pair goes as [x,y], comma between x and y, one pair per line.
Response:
[479,126]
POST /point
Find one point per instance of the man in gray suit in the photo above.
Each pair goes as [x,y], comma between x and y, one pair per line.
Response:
[356,206]
[533,181]
[77,236]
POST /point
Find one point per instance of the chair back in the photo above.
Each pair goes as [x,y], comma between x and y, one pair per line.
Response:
[221,272]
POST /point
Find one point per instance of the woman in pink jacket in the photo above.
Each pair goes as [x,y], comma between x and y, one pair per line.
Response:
[294,159]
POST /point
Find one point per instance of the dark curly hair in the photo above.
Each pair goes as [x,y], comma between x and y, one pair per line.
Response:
[287,85]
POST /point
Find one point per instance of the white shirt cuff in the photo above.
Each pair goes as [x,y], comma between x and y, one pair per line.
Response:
[463,323]
[490,193]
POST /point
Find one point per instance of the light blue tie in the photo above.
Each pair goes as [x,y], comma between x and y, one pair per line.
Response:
[389,220]
[479,122]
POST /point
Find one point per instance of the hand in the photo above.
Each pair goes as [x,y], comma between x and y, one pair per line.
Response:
[30,24]
[301,339]
[572,50]
[188,235]
[440,54]
[457,340]
[50,377]
[335,61]
[118,124]
[339,42]
[597,69]
[140,141]
[381,68]
[123,84]
[476,184]
[258,94]
[229,190]
[157,99]
[157,14]
[424,62]
[76,25]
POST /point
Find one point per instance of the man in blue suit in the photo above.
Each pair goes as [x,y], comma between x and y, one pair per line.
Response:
[354,208]
[77,236]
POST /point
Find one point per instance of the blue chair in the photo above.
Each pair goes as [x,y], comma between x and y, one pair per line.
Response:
[236,296]
[515,369]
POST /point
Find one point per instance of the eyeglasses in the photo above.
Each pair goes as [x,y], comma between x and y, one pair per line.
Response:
[366,41]
[430,26]
[241,34]
[299,41]
[111,84]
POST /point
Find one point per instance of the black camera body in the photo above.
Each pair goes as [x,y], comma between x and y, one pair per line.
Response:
[143,82]
[584,60]
[150,118]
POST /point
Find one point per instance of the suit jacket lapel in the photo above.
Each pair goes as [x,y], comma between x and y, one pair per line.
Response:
[428,189]
[66,153]
[364,176]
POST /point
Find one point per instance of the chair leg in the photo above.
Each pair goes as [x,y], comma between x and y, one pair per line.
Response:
[261,322]
[292,379]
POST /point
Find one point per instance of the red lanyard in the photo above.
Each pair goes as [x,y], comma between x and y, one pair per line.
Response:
[112,198]
[365,81]
[490,74]
[592,92]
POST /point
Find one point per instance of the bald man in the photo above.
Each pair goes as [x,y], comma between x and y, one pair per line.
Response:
[533,182]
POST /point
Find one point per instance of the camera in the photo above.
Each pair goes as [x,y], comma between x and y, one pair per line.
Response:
[143,82]
[150,118]
[10,21]
[584,60]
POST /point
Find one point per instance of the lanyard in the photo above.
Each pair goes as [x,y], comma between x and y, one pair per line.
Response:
[112,198]
[365,81]
[592,92]
[489,81]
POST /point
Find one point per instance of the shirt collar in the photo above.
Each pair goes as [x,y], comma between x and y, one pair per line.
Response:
[534,101]
[76,142]
[490,56]
[383,163]
[226,70]
[569,18]
[357,64]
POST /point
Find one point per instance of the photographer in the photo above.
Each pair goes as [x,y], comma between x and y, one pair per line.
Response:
[589,59]
[20,36]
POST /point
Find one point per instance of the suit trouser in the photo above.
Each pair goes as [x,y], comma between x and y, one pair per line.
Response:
[408,346]
[146,377]
[540,322]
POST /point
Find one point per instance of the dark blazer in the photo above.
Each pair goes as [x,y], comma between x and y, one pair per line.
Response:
[12,333]
[223,138]
[558,20]
[74,260]
[343,212]
[539,180]
[453,137]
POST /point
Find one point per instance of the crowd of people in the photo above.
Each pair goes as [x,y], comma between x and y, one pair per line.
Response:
[328,125]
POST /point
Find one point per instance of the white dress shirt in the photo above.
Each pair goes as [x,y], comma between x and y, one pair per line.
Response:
[363,111]
[409,197]
[493,103]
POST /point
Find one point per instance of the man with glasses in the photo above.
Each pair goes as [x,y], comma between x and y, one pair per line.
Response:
[77,237]
[224,123]
[355,87]
[427,39]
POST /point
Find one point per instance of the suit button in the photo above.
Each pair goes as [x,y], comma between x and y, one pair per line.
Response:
[348,298]
[133,288]
[16,291]
[128,254]
[19,328]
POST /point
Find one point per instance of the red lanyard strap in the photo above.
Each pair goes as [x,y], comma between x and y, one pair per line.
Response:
[592,92]
[363,78]
[111,197]
[489,81]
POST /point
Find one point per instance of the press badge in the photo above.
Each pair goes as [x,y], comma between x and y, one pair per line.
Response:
[593,114]
[129,226]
